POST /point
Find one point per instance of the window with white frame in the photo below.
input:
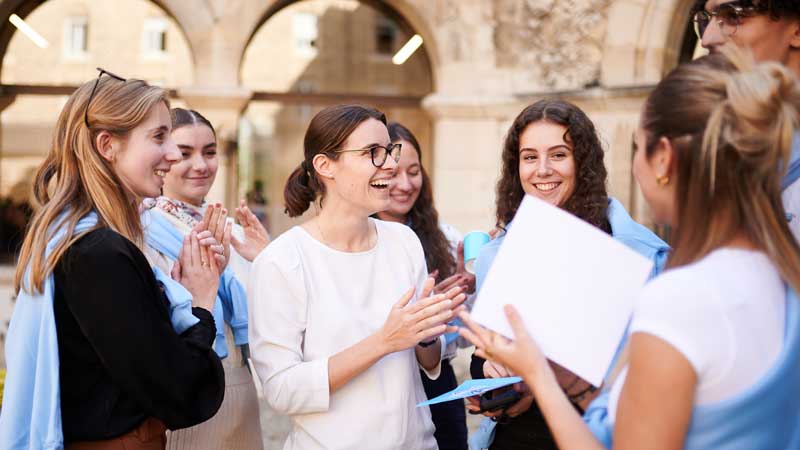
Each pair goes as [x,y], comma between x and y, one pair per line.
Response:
[305,31]
[76,37]
[154,37]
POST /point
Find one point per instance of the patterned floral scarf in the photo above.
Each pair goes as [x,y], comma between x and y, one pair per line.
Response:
[183,212]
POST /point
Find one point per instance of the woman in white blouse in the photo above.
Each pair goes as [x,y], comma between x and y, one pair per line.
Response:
[335,333]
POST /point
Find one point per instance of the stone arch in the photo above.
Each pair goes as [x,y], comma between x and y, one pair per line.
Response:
[644,40]
[402,11]
[23,8]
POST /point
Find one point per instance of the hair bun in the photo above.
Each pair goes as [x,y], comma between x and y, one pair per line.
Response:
[762,103]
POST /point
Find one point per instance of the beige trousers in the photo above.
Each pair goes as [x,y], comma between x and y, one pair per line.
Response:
[236,426]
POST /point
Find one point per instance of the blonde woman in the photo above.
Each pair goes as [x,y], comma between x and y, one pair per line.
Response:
[714,349]
[105,352]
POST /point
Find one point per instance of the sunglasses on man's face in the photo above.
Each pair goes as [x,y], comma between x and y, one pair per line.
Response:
[94,89]
[728,16]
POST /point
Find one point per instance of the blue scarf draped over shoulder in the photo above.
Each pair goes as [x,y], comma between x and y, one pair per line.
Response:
[766,416]
[31,415]
[231,304]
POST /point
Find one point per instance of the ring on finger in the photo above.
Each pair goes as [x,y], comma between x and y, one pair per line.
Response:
[204,263]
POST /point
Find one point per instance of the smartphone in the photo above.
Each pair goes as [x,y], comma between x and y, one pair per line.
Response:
[493,401]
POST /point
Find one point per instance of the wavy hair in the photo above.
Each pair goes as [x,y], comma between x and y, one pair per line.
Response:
[75,179]
[589,201]
[423,217]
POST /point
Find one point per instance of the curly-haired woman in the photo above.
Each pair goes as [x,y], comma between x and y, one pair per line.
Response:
[411,203]
[552,152]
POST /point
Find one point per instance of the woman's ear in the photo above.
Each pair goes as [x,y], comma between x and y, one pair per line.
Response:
[663,158]
[106,145]
[795,40]
[323,166]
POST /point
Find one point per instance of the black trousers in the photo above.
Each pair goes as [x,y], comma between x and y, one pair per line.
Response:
[450,418]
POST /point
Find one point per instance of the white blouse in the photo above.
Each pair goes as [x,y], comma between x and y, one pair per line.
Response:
[309,302]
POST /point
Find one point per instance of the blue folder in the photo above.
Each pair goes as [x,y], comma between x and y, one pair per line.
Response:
[470,388]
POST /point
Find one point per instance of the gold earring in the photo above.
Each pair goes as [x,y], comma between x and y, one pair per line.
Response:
[662,180]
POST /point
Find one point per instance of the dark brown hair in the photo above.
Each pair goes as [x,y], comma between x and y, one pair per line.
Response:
[423,217]
[730,122]
[777,9]
[327,132]
[590,199]
[184,117]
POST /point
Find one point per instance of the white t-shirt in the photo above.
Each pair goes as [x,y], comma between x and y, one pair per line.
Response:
[725,314]
[309,302]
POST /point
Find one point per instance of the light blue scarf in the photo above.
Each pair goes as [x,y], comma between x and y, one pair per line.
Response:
[764,417]
[793,172]
[31,415]
[231,304]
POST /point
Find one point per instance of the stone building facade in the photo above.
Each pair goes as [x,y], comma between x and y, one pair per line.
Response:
[481,62]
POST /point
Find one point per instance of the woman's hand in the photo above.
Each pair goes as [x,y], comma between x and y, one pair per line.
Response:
[460,278]
[426,319]
[494,370]
[521,355]
[256,237]
[214,232]
[197,270]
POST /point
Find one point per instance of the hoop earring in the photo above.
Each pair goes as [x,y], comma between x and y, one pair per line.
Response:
[662,180]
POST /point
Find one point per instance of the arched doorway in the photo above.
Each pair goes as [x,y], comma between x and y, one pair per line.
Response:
[326,52]
[37,76]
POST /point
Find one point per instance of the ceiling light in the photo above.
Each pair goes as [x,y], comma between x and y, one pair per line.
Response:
[407,50]
[28,31]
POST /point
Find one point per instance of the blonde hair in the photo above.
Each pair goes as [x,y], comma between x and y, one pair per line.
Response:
[75,179]
[731,122]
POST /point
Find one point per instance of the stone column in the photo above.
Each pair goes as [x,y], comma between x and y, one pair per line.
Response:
[5,101]
[223,107]
[468,135]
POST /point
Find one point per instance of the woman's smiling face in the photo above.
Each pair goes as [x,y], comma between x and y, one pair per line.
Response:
[546,162]
[191,178]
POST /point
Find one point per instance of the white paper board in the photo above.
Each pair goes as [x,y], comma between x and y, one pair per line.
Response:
[573,284]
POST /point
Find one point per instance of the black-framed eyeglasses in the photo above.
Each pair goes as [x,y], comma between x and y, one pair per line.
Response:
[91,96]
[728,16]
[378,153]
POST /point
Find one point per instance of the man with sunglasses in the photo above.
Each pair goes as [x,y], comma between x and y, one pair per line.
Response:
[771,30]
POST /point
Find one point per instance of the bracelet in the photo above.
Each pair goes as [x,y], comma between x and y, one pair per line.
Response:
[429,343]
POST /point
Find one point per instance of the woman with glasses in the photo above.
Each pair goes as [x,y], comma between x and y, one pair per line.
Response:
[714,347]
[411,203]
[552,152]
[335,331]
[171,217]
[105,352]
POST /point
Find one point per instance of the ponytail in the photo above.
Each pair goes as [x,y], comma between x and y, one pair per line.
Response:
[327,132]
[298,193]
